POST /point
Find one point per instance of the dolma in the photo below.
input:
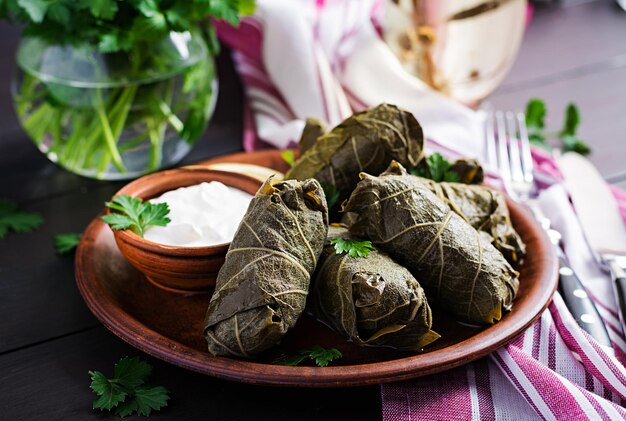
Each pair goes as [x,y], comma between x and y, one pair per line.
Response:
[458,267]
[367,141]
[485,210]
[262,287]
[313,130]
[371,300]
[469,171]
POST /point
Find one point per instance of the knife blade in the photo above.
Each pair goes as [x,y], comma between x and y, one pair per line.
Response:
[600,220]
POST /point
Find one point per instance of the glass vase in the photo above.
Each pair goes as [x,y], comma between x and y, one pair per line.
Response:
[116,115]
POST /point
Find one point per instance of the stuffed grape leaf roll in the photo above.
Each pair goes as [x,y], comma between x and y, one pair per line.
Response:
[313,130]
[457,266]
[484,209]
[371,300]
[262,287]
[367,141]
[469,171]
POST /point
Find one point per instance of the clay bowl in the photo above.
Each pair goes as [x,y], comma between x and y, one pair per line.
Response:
[177,269]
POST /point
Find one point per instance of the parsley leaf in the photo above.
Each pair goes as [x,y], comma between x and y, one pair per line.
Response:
[109,393]
[102,22]
[128,391]
[332,195]
[437,168]
[572,120]
[289,156]
[321,356]
[352,248]
[573,144]
[36,9]
[535,121]
[64,243]
[132,372]
[149,398]
[136,215]
[104,9]
[12,219]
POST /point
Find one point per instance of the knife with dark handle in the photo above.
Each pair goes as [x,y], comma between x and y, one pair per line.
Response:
[580,304]
[573,292]
[600,220]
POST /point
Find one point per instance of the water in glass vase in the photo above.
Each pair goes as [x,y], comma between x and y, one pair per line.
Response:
[115,116]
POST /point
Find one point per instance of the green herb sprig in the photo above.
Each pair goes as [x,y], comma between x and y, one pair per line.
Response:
[135,214]
[321,356]
[535,121]
[289,156]
[127,392]
[13,219]
[437,168]
[332,195]
[351,247]
[65,243]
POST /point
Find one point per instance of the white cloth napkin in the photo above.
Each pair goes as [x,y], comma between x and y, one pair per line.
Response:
[324,59]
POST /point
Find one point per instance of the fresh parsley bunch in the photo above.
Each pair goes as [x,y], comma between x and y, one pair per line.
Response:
[119,25]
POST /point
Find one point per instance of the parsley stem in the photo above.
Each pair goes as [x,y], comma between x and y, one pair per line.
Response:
[108,134]
[171,117]
[155,149]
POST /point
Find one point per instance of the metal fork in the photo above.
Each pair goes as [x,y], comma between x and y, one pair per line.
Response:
[508,150]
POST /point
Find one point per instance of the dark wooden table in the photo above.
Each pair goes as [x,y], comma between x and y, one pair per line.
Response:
[574,51]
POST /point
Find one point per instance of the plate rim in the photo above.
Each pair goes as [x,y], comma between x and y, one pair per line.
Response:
[142,337]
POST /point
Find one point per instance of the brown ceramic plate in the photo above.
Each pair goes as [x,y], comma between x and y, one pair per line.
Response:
[169,326]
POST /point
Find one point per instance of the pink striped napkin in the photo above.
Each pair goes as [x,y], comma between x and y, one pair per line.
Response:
[323,58]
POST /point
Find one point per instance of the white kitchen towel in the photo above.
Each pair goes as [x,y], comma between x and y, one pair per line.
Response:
[325,59]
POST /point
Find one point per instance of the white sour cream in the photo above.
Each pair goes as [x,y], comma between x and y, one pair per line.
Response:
[202,215]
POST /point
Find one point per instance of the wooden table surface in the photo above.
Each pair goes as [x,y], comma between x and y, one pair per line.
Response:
[574,51]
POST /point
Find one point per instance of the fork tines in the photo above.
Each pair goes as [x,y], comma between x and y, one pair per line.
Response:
[508,150]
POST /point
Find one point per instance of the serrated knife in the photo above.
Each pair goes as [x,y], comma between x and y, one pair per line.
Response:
[600,220]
